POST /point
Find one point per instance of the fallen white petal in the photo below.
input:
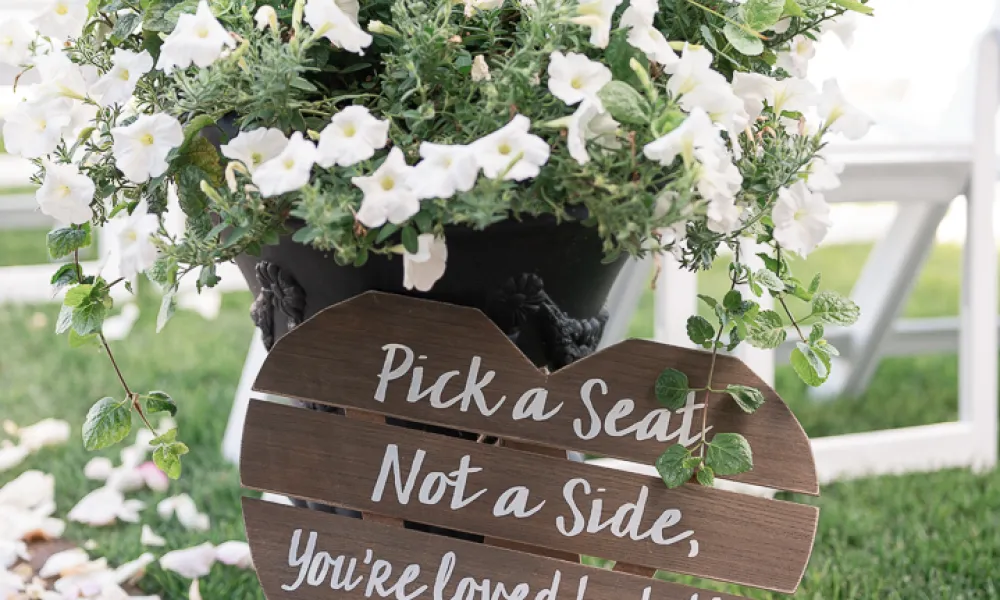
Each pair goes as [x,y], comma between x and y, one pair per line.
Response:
[149,537]
[10,584]
[98,468]
[125,479]
[90,545]
[11,456]
[12,551]
[183,507]
[47,432]
[29,490]
[234,553]
[132,571]
[190,562]
[29,525]
[98,508]
[130,510]
[154,478]
[62,563]
[10,427]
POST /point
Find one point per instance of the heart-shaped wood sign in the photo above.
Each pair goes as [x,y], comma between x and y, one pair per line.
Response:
[450,366]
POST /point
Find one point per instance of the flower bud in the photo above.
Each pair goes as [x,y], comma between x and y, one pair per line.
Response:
[266,17]
[480,70]
[379,27]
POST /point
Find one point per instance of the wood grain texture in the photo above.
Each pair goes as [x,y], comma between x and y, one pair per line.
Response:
[270,528]
[328,458]
[336,358]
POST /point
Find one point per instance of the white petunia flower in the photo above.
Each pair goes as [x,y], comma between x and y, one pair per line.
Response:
[642,35]
[471,6]
[148,537]
[718,99]
[574,77]
[843,27]
[15,42]
[480,70]
[65,194]
[352,136]
[692,69]
[62,19]
[839,115]
[118,84]
[718,177]
[423,269]
[198,39]
[34,129]
[266,17]
[387,193]
[191,563]
[823,173]
[801,218]
[794,95]
[330,21]
[755,90]
[596,14]
[61,77]
[512,151]
[723,215]
[796,59]
[104,506]
[444,171]
[141,149]
[47,432]
[697,131]
[254,148]
[287,171]
[234,553]
[590,123]
[136,251]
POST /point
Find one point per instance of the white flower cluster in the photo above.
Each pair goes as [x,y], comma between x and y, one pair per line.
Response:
[717,113]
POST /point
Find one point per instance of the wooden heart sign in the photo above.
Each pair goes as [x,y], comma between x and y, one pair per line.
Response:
[432,363]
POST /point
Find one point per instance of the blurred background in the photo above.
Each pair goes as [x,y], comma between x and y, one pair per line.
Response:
[911,503]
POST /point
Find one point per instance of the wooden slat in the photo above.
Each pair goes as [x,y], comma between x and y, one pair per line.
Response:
[337,357]
[327,458]
[270,530]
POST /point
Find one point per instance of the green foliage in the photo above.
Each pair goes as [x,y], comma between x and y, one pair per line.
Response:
[729,454]
[108,422]
[157,401]
[700,331]
[706,476]
[767,331]
[624,103]
[167,456]
[747,398]
[834,309]
[672,466]
[672,388]
[67,240]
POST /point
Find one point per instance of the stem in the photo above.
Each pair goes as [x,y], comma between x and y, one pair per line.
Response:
[781,300]
[114,363]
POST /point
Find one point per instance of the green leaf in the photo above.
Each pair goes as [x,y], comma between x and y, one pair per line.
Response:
[767,330]
[816,333]
[78,341]
[168,458]
[670,466]
[733,301]
[700,331]
[729,454]
[624,103]
[706,476]
[77,295]
[834,309]
[744,41]
[855,6]
[108,422]
[127,23]
[167,437]
[157,401]
[769,280]
[167,308]
[385,232]
[410,240]
[63,242]
[814,284]
[89,317]
[812,368]
[671,388]
[792,9]
[67,274]
[760,15]
[747,398]
[65,320]
[194,128]
[710,301]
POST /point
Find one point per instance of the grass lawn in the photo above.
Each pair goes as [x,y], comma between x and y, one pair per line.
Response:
[929,536]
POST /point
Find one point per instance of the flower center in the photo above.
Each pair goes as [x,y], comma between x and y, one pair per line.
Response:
[256,158]
[388,183]
[64,190]
[123,75]
[62,9]
[131,235]
[799,214]
[7,41]
[202,32]
[504,148]
[289,163]
[350,130]
[576,83]
[148,139]
[42,124]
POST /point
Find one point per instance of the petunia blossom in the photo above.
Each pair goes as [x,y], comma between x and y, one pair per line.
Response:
[387,193]
[696,131]
[444,171]
[118,84]
[15,42]
[254,148]
[424,268]
[796,59]
[801,218]
[65,195]
[511,151]
[34,129]
[197,39]
[329,20]
[352,136]
[574,78]
[643,35]
[136,251]
[288,171]
[265,18]
[839,115]
[590,123]
[62,19]
[141,149]
[596,14]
